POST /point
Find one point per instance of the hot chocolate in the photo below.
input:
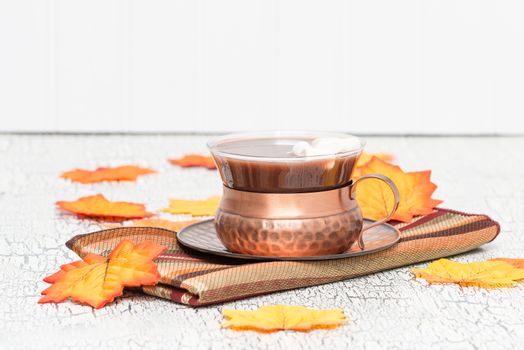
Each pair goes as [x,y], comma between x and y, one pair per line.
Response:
[270,164]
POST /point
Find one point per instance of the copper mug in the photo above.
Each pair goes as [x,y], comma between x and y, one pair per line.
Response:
[319,217]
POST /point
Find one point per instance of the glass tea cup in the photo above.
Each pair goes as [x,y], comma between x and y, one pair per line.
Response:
[280,203]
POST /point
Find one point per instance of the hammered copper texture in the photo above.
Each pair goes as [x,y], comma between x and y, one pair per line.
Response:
[202,237]
[289,237]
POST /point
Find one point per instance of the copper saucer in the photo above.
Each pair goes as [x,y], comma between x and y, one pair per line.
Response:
[202,237]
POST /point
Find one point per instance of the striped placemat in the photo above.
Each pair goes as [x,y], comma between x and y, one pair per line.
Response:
[196,279]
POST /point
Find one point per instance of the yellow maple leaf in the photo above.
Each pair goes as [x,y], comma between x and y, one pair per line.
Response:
[518,263]
[282,317]
[415,188]
[205,207]
[485,274]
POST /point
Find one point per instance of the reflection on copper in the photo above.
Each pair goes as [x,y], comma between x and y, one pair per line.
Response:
[294,224]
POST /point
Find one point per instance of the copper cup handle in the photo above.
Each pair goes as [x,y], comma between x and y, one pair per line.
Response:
[396,195]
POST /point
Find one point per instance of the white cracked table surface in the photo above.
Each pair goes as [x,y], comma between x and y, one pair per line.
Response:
[387,310]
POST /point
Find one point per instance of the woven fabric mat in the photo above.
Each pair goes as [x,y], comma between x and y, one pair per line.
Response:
[197,280]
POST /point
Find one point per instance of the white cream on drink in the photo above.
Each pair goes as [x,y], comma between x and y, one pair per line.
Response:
[326,146]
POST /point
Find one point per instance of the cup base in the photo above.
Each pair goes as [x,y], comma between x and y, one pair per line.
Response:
[325,235]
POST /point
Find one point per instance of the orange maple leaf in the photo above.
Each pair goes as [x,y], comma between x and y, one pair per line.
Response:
[99,206]
[415,188]
[194,160]
[366,158]
[97,280]
[281,317]
[120,173]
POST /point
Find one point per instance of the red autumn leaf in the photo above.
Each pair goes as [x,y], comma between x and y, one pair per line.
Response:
[194,160]
[99,206]
[97,280]
[120,173]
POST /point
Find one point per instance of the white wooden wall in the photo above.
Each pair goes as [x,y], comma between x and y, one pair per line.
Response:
[369,66]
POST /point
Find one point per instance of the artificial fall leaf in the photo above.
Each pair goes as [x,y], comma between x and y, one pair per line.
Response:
[167,224]
[97,280]
[518,263]
[376,199]
[366,158]
[194,160]
[121,173]
[485,274]
[99,206]
[206,207]
[282,317]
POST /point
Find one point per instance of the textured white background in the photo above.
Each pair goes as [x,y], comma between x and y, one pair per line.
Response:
[378,66]
[387,310]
